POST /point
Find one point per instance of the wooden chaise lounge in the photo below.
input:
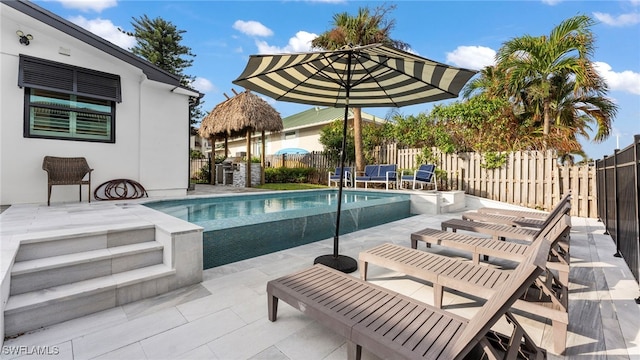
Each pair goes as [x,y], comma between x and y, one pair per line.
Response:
[508,250]
[498,231]
[395,326]
[522,213]
[515,218]
[550,301]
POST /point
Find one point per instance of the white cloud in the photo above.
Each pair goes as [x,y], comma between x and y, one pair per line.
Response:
[106,30]
[627,81]
[472,57]
[551,2]
[619,21]
[202,85]
[252,28]
[88,5]
[299,43]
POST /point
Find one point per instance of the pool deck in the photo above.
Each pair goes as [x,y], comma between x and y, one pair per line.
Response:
[225,316]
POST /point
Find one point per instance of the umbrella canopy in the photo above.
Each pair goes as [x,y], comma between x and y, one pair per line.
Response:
[234,116]
[364,76]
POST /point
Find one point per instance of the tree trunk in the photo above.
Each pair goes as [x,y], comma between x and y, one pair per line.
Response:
[357,138]
[546,129]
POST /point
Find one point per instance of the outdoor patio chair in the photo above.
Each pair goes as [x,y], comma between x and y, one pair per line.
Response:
[335,176]
[67,171]
[522,213]
[424,175]
[395,326]
[507,250]
[501,231]
[550,299]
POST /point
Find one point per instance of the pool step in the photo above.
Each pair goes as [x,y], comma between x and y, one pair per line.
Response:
[37,274]
[83,273]
[101,238]
[36,309]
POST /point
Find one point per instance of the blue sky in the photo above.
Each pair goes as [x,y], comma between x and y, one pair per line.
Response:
[467,34]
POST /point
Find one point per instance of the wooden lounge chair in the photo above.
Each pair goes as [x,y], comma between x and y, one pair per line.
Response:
[514,218]
[67,171]
[499,231]
[395,326]
[507,250]
[522,213]
[551,300]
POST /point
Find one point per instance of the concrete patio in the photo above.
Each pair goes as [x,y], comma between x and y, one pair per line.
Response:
[225,316]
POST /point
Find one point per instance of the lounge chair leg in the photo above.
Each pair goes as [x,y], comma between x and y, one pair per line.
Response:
[485,257]
[414,244]
[363,270]
[475,257]
[438,291]
[273,307]
[354,351]
[559,337]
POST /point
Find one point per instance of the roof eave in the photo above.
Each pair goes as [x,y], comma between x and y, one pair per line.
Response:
[151,71]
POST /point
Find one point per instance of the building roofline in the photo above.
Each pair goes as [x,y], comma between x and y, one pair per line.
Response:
[151,71]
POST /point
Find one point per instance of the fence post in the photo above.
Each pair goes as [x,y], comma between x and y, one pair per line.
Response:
[617,208]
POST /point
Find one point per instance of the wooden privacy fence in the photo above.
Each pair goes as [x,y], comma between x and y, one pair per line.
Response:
[528,178]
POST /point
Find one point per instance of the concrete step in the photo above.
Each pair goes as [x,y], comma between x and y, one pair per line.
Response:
[36,309]
[42,273]
[96,239]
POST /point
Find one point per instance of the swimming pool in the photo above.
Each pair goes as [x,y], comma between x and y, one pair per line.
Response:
[244,226]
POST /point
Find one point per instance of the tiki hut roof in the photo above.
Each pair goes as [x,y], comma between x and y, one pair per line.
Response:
[234,116]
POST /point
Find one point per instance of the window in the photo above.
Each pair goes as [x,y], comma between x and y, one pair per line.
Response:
[289,135]
[67,102]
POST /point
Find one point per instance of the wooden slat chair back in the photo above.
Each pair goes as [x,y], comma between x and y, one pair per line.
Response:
[475,279]
[523,213]
[498,231]
[67,171]
[395,326]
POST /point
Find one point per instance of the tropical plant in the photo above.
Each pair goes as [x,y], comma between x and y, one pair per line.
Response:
[539,68]
[159,42]
[365,28]
[331,140]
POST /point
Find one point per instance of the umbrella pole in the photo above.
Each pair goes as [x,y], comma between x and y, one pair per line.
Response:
[342,263]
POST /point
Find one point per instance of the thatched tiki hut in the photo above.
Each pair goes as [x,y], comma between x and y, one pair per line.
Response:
[241,115]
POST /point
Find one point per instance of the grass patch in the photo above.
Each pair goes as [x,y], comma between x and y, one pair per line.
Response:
[290,186]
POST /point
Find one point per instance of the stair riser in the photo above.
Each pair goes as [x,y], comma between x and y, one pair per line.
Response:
[31,319]
[21,320]
[48,248]
[78,272]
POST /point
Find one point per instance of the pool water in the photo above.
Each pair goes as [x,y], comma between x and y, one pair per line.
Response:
[244,226]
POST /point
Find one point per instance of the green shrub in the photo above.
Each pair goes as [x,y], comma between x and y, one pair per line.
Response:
[288,175]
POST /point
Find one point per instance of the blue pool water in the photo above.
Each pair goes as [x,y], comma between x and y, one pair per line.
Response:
[244,226]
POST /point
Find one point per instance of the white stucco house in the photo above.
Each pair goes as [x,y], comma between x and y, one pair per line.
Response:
[66,92]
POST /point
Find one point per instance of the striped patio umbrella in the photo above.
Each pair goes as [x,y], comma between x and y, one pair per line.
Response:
[363,76]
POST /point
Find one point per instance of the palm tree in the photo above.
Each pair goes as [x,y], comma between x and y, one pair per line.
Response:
[534,64]
[364,29]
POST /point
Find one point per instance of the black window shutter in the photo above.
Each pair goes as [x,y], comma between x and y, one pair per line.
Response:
[48,75]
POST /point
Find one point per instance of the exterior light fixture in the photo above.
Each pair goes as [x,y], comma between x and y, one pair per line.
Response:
[24,39]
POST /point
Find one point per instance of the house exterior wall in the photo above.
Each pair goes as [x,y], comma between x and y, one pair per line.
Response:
[307,138]
[151,127]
